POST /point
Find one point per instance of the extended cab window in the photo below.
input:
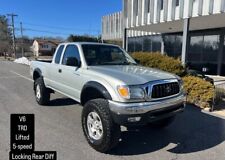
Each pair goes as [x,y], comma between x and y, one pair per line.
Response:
[71,52]
[58,54]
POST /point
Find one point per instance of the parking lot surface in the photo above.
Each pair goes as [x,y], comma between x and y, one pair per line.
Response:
[194,134]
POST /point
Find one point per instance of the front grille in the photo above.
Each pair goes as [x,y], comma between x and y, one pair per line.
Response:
[165,90]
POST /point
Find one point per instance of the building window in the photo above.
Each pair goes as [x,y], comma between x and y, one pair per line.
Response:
[173,45]
[144,43]
[177,2]
[203,53]
[223,62]
[111,24]
[117,24]
[195,49]
[210,48]
[107,26]
[148,6]
[136,7]
[44,46]
[161,3]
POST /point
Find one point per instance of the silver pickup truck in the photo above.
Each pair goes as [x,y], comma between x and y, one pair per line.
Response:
[114,90]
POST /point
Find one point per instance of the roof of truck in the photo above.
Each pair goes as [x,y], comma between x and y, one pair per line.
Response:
[92,43]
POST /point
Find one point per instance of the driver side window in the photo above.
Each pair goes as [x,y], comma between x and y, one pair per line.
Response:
[71,52]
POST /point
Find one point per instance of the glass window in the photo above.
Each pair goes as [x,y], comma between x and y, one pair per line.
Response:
[137,7]
[148,6]
[117,24]
[144,43]
[58,54]
[177,2]
[71,51]
[138,44]
[169,41]
[147,44]
[173,45]
[107,26]
[178,46]
[131,42]
[210,53]
[223,62]
[195,50]
[224,52]
[161,3]
[105,55]
[156,43]
[204,48]
[203,53]
[112,26]
[211,48]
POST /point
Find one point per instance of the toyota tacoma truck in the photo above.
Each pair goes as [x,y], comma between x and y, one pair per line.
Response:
[114,90]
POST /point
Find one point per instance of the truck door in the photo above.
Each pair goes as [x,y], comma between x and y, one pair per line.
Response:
[54,75]
[71,72]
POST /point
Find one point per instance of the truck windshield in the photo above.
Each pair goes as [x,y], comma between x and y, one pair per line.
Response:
[105,55]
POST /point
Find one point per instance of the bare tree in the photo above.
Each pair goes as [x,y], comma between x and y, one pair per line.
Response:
[5,36]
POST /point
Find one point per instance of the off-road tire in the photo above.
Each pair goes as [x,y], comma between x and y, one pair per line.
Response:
[111,131]
[44,92]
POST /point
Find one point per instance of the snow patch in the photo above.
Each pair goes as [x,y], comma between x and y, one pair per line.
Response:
[22,60]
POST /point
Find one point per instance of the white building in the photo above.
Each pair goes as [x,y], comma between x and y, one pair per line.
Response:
[191,29]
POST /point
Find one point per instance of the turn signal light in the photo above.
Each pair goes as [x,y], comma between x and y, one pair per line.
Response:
[124,92]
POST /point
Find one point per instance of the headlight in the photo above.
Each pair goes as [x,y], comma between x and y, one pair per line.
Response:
[132,92]
[181,83]
[137,93]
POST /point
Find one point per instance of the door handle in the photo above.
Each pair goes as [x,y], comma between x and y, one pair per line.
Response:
[60,70]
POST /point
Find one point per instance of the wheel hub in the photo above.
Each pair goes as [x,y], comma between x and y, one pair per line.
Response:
[94,125]
[38,92]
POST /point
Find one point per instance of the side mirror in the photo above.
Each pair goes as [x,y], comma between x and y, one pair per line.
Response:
[137,61]
[73,61]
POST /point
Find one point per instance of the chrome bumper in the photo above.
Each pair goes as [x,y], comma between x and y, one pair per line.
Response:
[144,107]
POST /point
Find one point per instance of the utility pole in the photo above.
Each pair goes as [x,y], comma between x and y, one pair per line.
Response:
[13,31]
[22,43]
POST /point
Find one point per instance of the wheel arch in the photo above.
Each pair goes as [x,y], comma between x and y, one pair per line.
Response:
[37,73]
[94,90]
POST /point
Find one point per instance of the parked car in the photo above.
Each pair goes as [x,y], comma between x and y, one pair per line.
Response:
[199,74]
[113,89]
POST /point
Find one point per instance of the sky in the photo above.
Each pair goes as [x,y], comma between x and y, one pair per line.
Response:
[59,17]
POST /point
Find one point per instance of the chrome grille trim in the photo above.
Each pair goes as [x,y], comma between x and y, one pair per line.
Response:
[149,88]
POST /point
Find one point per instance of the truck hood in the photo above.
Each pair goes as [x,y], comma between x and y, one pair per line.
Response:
[131,74]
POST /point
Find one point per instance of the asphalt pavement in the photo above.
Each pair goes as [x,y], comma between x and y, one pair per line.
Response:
[195,134]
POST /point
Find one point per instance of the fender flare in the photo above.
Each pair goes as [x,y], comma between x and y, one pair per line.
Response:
[38,71]
[97,86]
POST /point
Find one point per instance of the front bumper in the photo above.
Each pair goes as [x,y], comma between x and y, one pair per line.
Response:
[145,112]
